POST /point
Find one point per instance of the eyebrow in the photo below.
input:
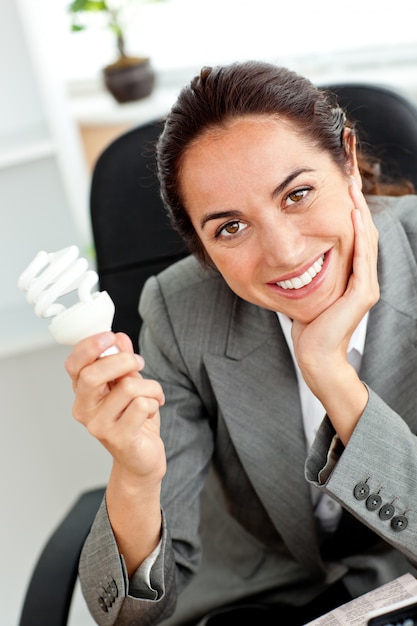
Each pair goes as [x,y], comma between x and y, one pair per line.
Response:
[279,189]
[293,175]
[218,215]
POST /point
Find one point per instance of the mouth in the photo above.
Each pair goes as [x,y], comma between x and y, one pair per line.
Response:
[297,282]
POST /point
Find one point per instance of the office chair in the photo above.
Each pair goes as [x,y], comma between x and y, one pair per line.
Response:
[131,231]
[385,121]
[133,240]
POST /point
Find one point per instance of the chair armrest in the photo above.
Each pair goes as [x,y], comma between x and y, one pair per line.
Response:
[50,590]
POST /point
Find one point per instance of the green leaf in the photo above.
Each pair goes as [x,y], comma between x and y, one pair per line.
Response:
[87,5]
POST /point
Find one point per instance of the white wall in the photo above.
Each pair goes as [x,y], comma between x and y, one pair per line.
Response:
[180,33]
[47,459]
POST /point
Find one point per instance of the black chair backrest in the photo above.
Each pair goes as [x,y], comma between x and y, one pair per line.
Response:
[386,123]
[132,234]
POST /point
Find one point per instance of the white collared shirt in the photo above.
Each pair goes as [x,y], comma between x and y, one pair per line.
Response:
[327,510]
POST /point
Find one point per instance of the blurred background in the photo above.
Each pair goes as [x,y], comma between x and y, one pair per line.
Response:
[56,116]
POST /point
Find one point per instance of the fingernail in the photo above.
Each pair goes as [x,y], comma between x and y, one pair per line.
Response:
[106,340]
[140,360]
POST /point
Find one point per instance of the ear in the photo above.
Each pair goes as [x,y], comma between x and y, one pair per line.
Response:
[349,142]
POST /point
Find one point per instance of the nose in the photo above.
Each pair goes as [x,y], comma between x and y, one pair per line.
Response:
[281,242]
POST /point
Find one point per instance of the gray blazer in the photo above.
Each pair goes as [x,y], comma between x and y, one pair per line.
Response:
[237,459]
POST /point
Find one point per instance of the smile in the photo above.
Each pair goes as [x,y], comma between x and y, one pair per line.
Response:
[301,281]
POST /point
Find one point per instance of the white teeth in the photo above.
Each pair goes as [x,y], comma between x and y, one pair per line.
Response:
[304,279]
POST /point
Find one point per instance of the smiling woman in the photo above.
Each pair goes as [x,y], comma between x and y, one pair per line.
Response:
[266,224]
[274,225]
[251,446]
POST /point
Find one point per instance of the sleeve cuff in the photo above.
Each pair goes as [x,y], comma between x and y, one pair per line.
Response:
[147,582]
[324,454]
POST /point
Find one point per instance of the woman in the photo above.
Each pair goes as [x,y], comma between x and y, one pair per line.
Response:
[264,455]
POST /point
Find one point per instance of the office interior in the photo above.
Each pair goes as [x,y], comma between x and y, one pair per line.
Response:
[55,119]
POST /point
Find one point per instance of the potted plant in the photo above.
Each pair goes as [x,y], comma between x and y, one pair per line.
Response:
[128,78]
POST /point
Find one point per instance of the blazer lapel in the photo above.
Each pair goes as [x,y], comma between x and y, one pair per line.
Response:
[266,425]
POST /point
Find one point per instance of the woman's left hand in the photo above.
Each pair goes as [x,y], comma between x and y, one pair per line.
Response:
[321,345]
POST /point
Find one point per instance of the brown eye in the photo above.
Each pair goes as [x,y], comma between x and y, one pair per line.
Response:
[297,195]
[232,228]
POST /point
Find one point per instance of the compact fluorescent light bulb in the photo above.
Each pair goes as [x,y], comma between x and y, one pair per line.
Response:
[52,275]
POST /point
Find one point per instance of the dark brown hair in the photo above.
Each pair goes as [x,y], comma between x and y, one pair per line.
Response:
[218,94]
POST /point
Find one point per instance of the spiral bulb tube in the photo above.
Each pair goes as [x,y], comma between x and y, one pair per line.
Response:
[52,275]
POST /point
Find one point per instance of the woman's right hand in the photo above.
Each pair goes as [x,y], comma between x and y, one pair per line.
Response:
[121,409]
[117,405]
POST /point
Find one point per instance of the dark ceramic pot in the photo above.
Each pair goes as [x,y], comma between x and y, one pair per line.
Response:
[129,79]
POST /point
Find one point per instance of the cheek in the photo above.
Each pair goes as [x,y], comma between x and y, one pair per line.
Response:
[236,267]
[336,218]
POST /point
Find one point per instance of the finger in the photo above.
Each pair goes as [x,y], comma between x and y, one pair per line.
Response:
[141,415]
[365,227]
[105,371]
[96,380]
[361,205]
[364,279]
[138,422]
[136,442]
[130,388]
[124,342]
[87,351]
[130,400]
[96,398]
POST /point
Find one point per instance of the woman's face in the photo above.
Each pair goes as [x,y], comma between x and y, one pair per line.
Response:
[273,214]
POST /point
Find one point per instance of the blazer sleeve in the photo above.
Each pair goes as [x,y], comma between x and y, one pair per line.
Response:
[375,476]
[110,596]
[185,429]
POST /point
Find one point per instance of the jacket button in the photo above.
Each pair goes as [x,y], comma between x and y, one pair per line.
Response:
[108,596]
[113,588]
[399,522]
[373,502]
[386,511]
[361,491]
